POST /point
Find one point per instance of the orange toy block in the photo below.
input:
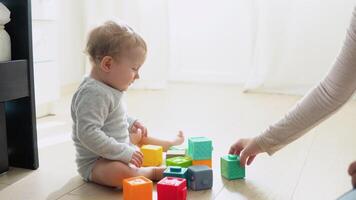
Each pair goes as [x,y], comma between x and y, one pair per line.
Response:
[202,162]
[137,188]
[152,155]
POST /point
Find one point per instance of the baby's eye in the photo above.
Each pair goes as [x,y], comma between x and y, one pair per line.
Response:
[135,69]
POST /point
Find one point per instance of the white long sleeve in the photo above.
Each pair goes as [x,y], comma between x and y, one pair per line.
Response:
[321,102]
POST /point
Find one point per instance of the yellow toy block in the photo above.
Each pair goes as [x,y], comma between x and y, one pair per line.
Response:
[152,155]
[137,188]
[202,162]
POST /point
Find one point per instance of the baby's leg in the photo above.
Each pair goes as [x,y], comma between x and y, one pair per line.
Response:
[112,173]
[164,143]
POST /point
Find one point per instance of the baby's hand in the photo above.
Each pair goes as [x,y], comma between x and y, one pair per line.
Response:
[137,125]
[137,159]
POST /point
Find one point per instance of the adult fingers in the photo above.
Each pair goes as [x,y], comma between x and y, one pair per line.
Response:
[243,158]
[250,159]
[352,168]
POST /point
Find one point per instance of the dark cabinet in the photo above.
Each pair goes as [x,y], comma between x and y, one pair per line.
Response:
[18,136]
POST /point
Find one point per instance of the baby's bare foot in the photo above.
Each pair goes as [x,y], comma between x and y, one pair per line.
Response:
[135,137]
[158,173]
[179,139]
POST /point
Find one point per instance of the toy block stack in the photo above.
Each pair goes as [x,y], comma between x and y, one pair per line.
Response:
[230,167]
[137,188]
[200,177]
[179,161]
[152,155]
[200,150]
[172,188]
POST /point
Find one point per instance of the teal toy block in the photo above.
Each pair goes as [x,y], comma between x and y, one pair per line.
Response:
[176,171]
[200,148]
[179,161]
[230,167]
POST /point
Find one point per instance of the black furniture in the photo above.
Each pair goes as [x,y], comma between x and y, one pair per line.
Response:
[18,136]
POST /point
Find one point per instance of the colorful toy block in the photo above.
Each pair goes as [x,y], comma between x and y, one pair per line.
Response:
[181,147]
[152,155]
[230,167]
[200,177]
[172,188]
[200,148]
[202,162]
[179,161]
[174,153]
[137,188]
[175,171]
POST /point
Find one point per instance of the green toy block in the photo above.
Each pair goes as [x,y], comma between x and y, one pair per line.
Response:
[230,167]
[179,161]
[174,153]
[200,148]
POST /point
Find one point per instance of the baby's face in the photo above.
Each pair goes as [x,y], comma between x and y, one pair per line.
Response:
[126,69]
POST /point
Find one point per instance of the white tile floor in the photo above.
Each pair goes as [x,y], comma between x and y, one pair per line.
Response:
[313,167]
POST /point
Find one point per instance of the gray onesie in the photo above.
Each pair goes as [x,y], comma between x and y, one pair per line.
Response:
[100,125]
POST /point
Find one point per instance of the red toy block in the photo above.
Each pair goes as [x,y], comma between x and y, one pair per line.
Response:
[172,188]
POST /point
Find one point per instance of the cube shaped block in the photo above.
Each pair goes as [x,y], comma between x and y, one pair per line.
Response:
[202,162]
[172,188]
[230,167]
[137,188]
[174,153]
[176,171]
[179,161]
[200,177]
[152,155]
[200,148]
[180,147]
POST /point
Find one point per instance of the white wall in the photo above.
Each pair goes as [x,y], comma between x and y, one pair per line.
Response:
[297,43]
[57,27]
[71,41]
[211,40]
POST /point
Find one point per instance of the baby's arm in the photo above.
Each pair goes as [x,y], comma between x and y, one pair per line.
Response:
[329,95]
[90,119]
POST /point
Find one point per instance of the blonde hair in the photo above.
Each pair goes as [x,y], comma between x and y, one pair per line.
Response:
[112,39]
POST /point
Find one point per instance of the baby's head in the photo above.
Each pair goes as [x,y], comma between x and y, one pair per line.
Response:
[116,53]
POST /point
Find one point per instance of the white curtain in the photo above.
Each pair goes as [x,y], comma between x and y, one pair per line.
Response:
[150,19]
[296,43]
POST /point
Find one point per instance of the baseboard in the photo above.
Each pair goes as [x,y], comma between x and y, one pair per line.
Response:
[43,110]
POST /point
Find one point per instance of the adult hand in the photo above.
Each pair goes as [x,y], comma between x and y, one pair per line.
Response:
[247,148]
[352,172]
[138,125]
[137,159]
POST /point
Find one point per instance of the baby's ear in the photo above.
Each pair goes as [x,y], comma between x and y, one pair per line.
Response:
[106,63]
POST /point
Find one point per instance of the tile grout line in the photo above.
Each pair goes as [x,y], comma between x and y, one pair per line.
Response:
[68,193]
[303,167]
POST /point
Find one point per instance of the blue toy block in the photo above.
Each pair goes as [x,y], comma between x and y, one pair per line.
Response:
[200,148]
[200,177]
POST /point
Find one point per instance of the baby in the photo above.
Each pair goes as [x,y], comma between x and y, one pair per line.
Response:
[105,138]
